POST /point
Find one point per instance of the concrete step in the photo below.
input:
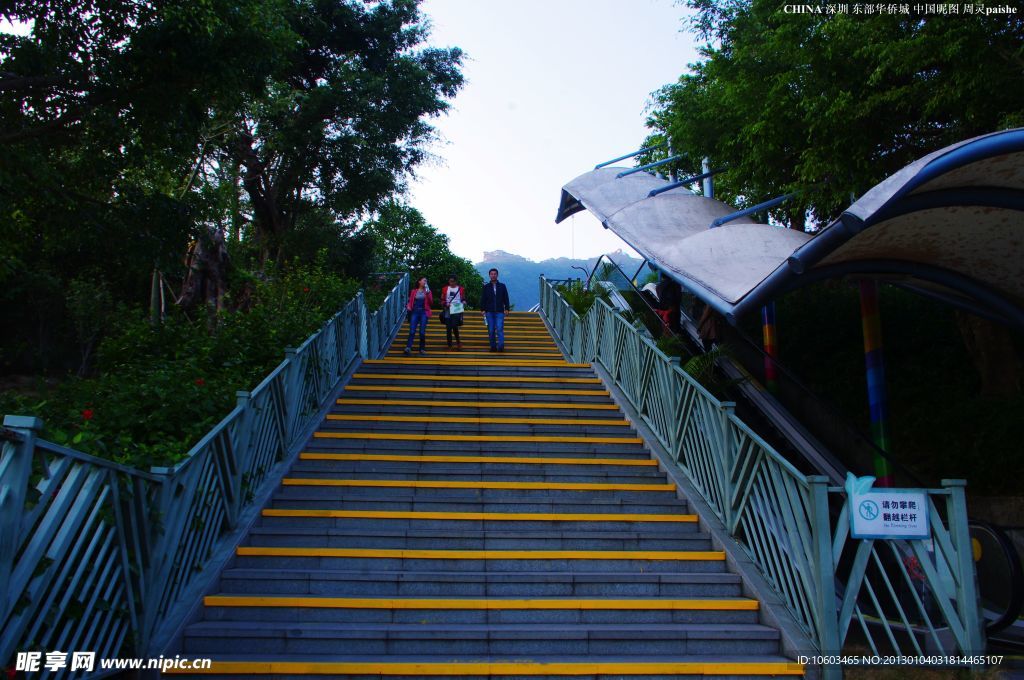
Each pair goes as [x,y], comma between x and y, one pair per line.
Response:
[608,474]
[480,612]
[521,456]
[295,497]
[472,409]
[504,371]
[373,537]
[317,639]
[476,667]
[538,428]
[349,583]
[399,521]
[519,461]
[473,447]
[380,560]
[321,490]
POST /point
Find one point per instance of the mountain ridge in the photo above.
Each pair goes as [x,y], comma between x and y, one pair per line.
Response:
[521,274]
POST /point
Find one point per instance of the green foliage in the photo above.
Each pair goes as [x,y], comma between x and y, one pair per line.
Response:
[160,388]
[830,105]
[405,241]
[579,297]
[130,129]
[672,346]
[702,368]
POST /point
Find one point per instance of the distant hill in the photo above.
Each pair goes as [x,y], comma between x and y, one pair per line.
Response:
[521,275]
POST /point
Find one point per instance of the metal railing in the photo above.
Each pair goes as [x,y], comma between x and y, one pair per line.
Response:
[383,322]
[94,555]
[907,597]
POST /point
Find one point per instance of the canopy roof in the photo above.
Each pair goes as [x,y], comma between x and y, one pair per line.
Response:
[949,225]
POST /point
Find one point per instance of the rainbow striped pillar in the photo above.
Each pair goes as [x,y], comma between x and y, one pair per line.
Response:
[874,360]
[771,349]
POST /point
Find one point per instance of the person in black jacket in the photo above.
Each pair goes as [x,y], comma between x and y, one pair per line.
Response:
[494,304]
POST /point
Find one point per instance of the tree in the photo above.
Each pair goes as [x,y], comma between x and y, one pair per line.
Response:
[131,129]
[343,120]
[405,241]
[829,105]
[105,108]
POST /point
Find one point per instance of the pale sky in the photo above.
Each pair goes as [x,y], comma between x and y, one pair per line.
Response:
[553,88]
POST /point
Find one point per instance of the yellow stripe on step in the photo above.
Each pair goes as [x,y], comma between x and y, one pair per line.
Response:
[442,484]
[498,668]
[478,516]
[440,356]
[648,462]
[477,404]
[473,390]
[496,361]
[355,417]
[397,553]
[737,604]
[477,438]
[473,378]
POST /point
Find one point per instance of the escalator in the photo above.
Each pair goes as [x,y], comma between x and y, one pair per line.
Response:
[814,436]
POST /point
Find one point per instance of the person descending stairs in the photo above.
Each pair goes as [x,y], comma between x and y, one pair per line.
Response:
[467,514]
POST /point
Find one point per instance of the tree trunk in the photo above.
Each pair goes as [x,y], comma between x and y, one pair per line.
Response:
[267,219]
[993,354]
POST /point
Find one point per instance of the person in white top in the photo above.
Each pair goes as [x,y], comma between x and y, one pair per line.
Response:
[453,297]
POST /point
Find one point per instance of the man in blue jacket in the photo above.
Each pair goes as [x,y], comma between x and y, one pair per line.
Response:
[494,304]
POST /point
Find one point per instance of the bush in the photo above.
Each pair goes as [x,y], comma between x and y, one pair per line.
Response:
[579,297]
[161,388]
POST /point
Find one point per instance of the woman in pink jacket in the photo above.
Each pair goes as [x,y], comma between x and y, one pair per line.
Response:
[420,302]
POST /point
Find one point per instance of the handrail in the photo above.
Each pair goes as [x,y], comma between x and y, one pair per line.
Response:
[908,597]
[94,555]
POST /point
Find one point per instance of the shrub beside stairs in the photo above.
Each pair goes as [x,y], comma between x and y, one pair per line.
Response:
[477,514]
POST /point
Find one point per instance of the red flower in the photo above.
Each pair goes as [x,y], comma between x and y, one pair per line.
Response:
[200,382]
[87,414]
[306,289]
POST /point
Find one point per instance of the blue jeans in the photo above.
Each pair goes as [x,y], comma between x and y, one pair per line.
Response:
[496,329]
[417,319]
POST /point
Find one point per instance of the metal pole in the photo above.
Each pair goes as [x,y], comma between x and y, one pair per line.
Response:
[874,361]
[673,176]
[827,619]
[709,182]
[966,586]
[771,350]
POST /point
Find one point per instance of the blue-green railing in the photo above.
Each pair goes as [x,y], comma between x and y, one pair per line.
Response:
[94,555]
[904,597]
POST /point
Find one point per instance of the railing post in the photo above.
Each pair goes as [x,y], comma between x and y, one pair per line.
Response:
[243,438]
[827,617]
[725,461]
[966,579]
[292,380]
[15,472]
[363,332]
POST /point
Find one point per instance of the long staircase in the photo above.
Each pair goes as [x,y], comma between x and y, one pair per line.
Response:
[478,514]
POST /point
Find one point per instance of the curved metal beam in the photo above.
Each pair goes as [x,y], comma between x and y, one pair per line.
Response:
[986,197]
